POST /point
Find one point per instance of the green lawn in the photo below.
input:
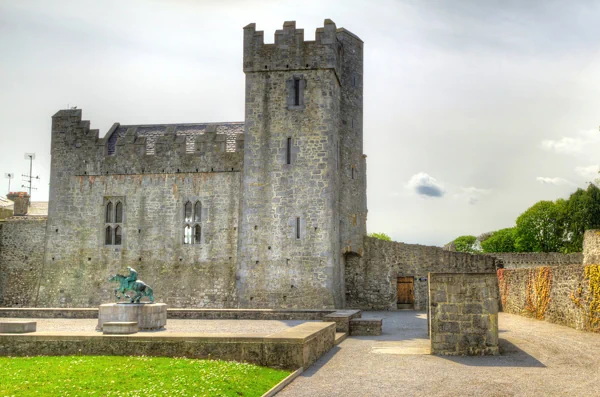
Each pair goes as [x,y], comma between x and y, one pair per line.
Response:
[132,376]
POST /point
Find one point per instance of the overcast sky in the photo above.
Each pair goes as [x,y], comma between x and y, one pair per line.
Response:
[474,110]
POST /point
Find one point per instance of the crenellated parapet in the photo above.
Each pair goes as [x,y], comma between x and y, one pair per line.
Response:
[290,51]
[137,149]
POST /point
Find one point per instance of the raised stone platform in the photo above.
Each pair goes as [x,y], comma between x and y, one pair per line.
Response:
[17,327]
[149,316]
[365,327]
[120,328]
[292,348]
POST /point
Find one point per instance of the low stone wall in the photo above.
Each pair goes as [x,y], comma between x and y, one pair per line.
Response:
[371,280]
[566,295]
[291,349]
[191,314]
[463,314]
[22,243]
[519,260]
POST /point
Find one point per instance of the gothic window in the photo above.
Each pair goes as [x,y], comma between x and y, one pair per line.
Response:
[119,213]
[192,219]
[109,213]
[198,212]
[187,234]
[113,221]
[118,235]
[197,234]
[188,212]
[108,236]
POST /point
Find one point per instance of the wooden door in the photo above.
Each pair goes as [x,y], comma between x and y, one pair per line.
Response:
[406,294]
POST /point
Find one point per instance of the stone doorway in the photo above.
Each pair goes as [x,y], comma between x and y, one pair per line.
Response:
[405,293]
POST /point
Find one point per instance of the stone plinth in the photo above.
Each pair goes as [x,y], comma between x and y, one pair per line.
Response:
[149,316]
[120,327]
[17,327]
[365,327]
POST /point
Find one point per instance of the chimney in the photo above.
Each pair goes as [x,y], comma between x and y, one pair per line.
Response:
[21,200]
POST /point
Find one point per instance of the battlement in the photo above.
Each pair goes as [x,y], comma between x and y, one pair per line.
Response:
[290,51]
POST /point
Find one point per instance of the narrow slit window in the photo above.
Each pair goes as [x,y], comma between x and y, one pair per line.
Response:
[353,172]
[296,92]
[109,213]
[197,234]
[288,155]
[187,234]
[118,235]
[198,212]
[108,236]
[188,212]
[119,213]
[298,228]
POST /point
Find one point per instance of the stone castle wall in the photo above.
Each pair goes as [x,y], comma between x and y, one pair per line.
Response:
[463,314]
[518,260]
[21,260]
[567,302]
[371,280]
[278,267]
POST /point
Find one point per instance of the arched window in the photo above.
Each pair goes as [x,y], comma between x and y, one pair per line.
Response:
[109,212]
[187,234]
[188,212]
[198,212]
[108,236]
[118,235]
[119,213]
[197,234]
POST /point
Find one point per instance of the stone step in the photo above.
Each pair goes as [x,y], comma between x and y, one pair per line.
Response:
[366,327]
[17,327]
[340,337]
[120,327]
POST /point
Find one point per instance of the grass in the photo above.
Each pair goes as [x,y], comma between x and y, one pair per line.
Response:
[132,376]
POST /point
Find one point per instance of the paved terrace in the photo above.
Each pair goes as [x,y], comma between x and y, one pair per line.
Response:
[538,359]
[173,326]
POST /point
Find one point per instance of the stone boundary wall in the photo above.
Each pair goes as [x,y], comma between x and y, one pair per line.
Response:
[22,241]
[559,294]
[463,317]
[189,314]
[293,348]
[518,260]
[371,280]
[591,247]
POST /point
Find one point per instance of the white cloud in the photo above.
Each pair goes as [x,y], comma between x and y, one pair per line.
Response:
[582,142]
[425,185]
[589,172]
[553,181]
[471,194]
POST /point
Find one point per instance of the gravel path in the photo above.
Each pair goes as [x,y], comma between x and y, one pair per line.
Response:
[539,359]
[188,326]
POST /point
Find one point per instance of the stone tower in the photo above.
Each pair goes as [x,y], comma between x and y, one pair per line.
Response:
[303,207]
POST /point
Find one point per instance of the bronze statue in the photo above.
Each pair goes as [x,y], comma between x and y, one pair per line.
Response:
[131,283]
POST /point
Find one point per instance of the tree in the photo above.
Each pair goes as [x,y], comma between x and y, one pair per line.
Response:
[502,240]
[583,213]
[380,236]
[542,228]
[465,244]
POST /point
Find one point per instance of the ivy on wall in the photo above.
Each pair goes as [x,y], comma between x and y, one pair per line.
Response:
[537,294]
[592,275]
[503,284]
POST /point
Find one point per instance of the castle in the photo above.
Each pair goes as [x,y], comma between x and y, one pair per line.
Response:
[267,213]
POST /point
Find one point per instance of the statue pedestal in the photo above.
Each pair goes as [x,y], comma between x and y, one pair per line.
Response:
[149,316]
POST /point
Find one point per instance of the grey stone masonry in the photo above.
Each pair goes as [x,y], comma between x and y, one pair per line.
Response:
[298,152]
[463,313]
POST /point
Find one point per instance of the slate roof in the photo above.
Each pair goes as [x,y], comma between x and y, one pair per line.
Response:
[153,131]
